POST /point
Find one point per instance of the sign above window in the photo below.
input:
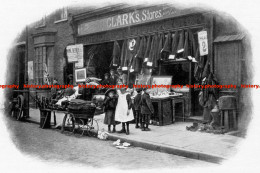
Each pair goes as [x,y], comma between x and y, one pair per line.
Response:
[131,18]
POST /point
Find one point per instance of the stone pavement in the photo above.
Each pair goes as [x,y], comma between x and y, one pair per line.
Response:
[173,139]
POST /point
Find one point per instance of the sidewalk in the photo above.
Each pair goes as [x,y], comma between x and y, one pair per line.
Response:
[172,139]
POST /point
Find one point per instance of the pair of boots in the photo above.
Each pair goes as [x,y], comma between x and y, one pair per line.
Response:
[125,130]
[144,127]
[109,129]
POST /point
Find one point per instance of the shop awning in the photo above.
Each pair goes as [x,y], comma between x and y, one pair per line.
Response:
[226,38]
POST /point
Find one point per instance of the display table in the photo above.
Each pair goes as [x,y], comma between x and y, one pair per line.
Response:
[164,109]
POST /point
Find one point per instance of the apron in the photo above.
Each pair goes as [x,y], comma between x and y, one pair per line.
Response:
[121,109]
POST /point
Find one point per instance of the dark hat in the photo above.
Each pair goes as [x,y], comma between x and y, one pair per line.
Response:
[112,69]
[110,90]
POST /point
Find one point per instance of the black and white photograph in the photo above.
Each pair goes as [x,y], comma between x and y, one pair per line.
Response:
[129,86]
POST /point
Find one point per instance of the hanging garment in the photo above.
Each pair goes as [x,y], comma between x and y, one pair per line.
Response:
[197,69]
[123,52]
[132,51]
[139,57]
[147,49]
[186,52]
[116,54]
[166,47]
[192,42]
[180,47]
[159,53]
[152,52]
[175,39]
[206,69]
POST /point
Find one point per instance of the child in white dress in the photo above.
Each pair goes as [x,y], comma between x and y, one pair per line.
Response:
[124,112]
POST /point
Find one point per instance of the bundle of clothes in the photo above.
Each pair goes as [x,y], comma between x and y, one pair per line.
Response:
[141,53]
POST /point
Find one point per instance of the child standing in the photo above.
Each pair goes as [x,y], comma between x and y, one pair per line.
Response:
[110,103]
[146,109]
[124,112]
[137,107]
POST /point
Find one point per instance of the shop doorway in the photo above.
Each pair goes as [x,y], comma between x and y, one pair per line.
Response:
[97,59]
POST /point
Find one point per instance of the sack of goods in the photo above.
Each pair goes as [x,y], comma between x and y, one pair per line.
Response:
[77,106]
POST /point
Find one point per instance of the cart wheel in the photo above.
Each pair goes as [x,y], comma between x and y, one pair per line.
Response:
[82,126]
[93,127]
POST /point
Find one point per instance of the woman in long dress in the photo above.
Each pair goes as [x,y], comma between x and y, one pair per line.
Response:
[124,113]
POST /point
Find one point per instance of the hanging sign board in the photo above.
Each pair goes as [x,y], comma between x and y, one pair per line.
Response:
[203,42]
[75,53]
[30,70]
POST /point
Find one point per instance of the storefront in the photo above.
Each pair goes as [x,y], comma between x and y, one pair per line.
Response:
[148,42]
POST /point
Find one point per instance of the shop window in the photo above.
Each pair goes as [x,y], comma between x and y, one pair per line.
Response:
[40,65]
[61,15]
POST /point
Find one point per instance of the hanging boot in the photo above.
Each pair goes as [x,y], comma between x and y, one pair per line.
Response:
[127,129]
[123,128]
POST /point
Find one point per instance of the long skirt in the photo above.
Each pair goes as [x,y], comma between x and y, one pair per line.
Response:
[110,118]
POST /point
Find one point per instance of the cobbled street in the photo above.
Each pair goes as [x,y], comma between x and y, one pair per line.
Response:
[52,145]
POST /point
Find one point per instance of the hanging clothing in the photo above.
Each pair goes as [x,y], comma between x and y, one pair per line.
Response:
[152,52]
[186,52]
[132,51]
[139,59]
[116,54]
[166,50]
[123,53]
[180,47]
[124,104]
[174,46]
[192,42]
[147,49]
[159,53]
[206,69]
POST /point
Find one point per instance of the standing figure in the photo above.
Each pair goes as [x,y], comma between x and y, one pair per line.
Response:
[146,109]
[113,77]
[104,82]
[124,112]
[110,103]
[137,107]
[121,76]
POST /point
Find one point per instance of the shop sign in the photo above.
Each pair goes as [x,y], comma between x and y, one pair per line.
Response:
[74,52]
[128,19]
[203,43]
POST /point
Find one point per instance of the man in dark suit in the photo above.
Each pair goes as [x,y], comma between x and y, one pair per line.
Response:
[146,109]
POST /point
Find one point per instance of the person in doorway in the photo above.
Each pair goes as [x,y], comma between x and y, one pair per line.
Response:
[110,103]
[146,109]
[104,82]
[137,107]
[124,112]
[113,77]
[122,77]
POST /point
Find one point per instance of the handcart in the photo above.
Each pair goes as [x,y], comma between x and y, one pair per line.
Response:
[80,118]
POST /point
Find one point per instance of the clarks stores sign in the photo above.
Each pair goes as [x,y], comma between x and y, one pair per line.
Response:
[128,19]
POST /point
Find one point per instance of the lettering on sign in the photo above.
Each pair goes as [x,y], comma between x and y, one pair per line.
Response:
[128,19]
[203,43]
[74,53]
